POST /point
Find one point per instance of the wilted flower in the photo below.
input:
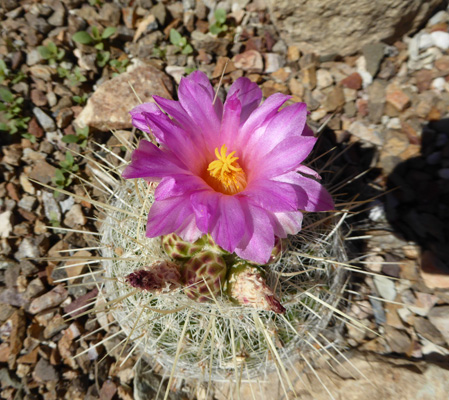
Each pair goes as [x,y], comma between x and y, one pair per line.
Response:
[233,170]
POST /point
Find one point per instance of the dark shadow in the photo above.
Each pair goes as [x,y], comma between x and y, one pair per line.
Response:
[418,205]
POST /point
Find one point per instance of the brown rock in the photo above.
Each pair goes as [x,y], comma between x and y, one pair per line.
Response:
[353,81]
[250,61]
[38,98]
[424,79]
[75,266]
[442,64]
[219,67]
[48,300]
[108,108]
[108,390]
[42,172]
[426,329]
[334,100]
[308,77]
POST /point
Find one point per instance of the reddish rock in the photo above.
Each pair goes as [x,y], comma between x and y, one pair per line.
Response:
[13,193]
[74,308]
[353,81]
[35,129]
[362,107]
[397,98]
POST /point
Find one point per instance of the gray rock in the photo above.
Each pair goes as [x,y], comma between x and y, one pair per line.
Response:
[374,54]
[44,371]
[33,57]
[273,62]
[350,24]
[27,202]
[67,204]
[27,249]
[45,121]
[40,24]
[426,329]
[439,317]
[51,208]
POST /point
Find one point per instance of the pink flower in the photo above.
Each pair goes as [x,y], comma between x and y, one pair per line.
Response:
[232,170]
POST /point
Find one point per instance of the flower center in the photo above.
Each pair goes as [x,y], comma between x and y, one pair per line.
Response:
[227,175]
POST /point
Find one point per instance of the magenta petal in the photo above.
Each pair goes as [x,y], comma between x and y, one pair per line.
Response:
[229,226]
[168,216]
[139,120]
[175,109]
[198,105]
[231,121]
[249,95]
[205,206]
[181,144]
[272,195]
[149,161]
[312,196]
[178,185]
[259,236]
[286,156]
[289,223]
[188,230]
[308,171]
[201,79]
[264,112]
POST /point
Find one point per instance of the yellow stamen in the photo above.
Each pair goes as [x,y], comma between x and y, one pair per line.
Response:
[225,174]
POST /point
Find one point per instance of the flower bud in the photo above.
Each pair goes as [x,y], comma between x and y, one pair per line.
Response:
[158,277]
[247,286]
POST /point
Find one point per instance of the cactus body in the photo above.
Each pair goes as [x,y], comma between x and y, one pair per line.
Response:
[204,275]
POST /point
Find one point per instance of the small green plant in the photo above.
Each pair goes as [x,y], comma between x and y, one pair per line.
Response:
[5,74]
[80,100]
[80,137]
[119,66]
[181,42]
[220,22]
[75,76]
[63,176]
[51,53]
[159,52]
[11,108]
[97,40]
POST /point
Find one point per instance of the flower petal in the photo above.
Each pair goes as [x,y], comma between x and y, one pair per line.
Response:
[188,230]
[205,206]
[249,95]
[258,241]
[139,120]
[289,223]
[312,196]
[180,142]
[229,226]
[167,216]
[149,161]
[272,195]
[231,121]
[198,106]
[285,157]
[178,185]
[202,79]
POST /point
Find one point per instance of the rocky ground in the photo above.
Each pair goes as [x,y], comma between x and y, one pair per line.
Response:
[387,105]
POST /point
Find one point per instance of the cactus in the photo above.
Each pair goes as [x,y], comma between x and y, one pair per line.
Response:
[181,250]
[246,285]
[204,275]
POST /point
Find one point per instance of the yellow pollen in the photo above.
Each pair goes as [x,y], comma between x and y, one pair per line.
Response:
[229,177]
